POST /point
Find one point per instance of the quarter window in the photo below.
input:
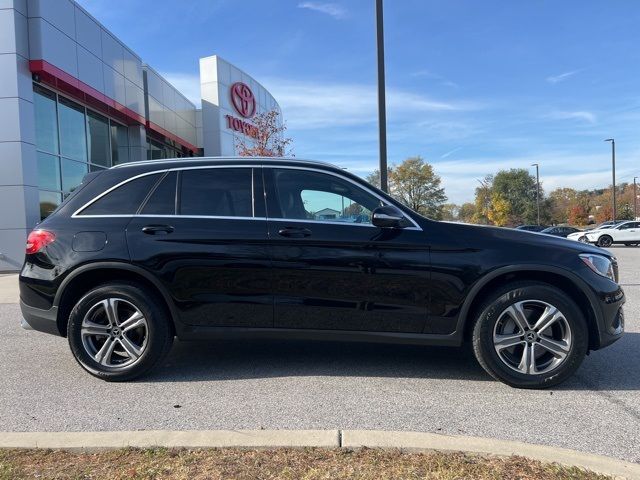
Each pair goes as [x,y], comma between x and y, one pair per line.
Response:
[163,199]
[124,200]
[219,192]
[315,196]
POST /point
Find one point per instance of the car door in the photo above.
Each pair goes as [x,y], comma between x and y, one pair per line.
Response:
[627,232]
[334,270]
[202,233]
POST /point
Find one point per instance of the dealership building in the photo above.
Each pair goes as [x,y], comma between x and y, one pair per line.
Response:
[75,99]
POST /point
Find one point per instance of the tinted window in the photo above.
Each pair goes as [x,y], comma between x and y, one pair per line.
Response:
[163,199]
[124,200]
[73,136]
[98,130]
[222,192]
[46,120]
[307,195]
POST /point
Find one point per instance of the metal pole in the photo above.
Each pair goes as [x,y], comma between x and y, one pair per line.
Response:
[613,173]
[635,200]
[613,170]
[537,189]
[382,109]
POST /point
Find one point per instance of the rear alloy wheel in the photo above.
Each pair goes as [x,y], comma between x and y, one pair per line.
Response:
[605,241]
[530,335]
[118,332]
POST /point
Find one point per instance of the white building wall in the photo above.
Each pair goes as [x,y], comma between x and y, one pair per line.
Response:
[216,78]
[19,207]
[168,108]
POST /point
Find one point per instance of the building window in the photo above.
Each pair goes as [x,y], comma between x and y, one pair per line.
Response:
[157,150]
[72,140]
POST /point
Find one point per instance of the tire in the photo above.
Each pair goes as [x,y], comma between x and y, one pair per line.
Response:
[583,239]
[124,349]
[532,298]
[605,241]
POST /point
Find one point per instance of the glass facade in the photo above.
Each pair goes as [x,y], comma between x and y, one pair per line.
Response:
[157,150]
[72,140]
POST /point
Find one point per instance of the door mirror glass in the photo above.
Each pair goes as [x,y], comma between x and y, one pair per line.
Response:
[389,216]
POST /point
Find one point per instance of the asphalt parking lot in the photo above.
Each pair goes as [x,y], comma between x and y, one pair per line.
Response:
[302,385]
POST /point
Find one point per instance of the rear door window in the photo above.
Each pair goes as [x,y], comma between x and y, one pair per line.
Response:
[216,192]
[125,199]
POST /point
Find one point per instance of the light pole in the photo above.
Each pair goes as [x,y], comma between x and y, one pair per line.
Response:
[635,200]
[382,108]
[613,170]
[537,188]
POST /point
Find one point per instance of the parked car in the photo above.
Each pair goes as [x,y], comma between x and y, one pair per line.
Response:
[626,233]
[560,231]
[531,228]
[581,236]
[218,248]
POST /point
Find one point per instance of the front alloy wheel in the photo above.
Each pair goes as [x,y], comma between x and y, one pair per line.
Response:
[530,335]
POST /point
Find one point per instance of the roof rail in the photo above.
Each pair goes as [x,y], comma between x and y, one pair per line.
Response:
[208,159]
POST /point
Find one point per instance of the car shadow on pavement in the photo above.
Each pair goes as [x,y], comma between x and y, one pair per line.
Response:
[233,360]
[613,368]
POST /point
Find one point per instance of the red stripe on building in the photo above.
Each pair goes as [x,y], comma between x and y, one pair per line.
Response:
[61,80]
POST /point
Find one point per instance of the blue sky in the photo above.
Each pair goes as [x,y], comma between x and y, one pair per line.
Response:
[472,86]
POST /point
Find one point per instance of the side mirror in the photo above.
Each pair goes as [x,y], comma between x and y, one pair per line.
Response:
[389,216]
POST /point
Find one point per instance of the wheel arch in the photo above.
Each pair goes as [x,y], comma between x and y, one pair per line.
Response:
[84,278]
[556,277]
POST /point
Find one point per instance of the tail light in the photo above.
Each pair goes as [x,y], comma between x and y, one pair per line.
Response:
[38,239]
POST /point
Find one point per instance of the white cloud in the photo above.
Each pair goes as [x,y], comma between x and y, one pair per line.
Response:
[562,77]
[310,105]
[336,11]
[585,116]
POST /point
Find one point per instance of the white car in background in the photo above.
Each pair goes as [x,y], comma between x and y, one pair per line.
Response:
[627,233]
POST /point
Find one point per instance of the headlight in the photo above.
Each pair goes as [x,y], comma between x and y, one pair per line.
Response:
[599,264]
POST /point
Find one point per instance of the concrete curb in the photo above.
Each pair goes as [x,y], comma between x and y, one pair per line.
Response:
[419,441]
[411,441]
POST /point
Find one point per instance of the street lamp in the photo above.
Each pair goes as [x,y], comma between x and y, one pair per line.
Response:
[382,108]
[613,170]
[635,200]
[537,189]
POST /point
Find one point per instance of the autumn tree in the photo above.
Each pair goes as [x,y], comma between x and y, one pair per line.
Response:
[578,215]
[466,212]
[499,211]
[267,138]
[415,184]
[518,188]
[483,200]
[450,212]
[374,178]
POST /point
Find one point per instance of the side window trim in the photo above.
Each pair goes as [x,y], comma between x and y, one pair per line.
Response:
[78,212]
[342,177]
[150,193]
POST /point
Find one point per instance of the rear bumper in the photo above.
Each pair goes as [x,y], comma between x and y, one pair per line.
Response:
[41,320]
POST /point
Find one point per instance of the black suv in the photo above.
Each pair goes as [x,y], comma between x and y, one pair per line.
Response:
[215,247]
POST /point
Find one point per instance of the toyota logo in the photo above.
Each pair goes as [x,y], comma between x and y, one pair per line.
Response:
[243,100]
